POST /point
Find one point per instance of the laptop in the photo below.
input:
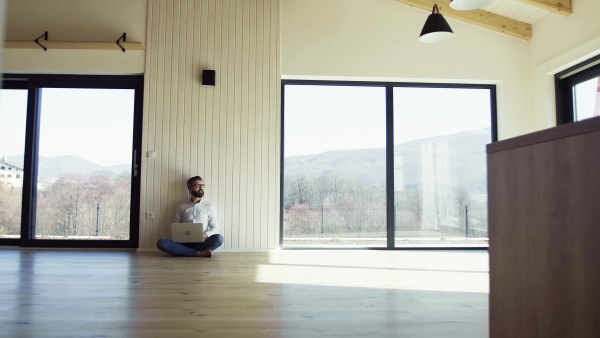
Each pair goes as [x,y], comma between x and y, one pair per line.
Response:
[187,232]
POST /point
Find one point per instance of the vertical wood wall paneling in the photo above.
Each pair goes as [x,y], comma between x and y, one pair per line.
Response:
[243,224]
[259,216]
[212,103]
[209,93]
[164,142]
[273,119]
[218,163]
[275,112]
[237,72]
[249,219]
[185,86]
[199,142]
[224,80]
[147,167]
[159,197]
[193,52]
[174,152]
[178,86]
[174,126]
[229,134]
[228,109]
[274,124]
[265,123]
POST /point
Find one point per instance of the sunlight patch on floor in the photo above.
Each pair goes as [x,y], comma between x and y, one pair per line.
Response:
[381,278]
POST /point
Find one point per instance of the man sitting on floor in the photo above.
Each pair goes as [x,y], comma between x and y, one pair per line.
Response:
[197,210]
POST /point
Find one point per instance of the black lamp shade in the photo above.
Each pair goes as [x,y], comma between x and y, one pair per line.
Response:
[436,29]
[208,77]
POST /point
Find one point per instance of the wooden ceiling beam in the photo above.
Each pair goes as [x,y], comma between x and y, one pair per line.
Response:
[478,17]
[563,7]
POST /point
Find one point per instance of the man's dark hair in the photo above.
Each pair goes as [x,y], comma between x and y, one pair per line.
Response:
[192,179]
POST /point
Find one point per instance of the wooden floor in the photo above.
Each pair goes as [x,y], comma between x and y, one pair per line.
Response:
[285,293]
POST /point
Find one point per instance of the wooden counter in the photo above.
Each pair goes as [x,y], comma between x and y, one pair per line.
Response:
[544,230]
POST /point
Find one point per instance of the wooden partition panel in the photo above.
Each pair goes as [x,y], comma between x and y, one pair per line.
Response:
[544,223]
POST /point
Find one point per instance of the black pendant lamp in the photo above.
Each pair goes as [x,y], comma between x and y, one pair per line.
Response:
[436,29]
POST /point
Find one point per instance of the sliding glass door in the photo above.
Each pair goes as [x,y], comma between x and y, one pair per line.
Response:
[85,163]
[81,162]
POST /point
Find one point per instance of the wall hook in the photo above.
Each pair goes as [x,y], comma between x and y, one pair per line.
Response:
[124,38]
[45,36]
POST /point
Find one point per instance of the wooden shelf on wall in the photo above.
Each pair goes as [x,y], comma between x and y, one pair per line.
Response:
[98,45]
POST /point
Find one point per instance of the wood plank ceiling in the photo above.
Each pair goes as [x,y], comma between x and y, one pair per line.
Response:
[510,17]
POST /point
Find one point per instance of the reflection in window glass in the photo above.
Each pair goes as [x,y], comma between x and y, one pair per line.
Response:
[587,99]
[13,115]
[440,178]
[334,166]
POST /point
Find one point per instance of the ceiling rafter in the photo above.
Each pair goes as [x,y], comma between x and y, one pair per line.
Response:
[478,17]
[564,7]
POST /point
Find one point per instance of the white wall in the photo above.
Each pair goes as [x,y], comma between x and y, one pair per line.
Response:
[561,42]
[378,40]
[75,20]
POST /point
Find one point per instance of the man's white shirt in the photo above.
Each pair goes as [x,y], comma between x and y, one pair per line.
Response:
[201,212]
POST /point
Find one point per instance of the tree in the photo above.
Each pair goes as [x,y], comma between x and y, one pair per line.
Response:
[66,198]
[408,209]
[10,210]
[119,207]
[300,220]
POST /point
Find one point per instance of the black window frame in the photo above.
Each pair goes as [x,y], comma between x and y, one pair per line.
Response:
[389,88]
[34,83]
[564,83]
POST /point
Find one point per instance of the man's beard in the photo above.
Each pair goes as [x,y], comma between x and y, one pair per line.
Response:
[198,193]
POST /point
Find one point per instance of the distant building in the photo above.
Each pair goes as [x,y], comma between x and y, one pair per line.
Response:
[10,174]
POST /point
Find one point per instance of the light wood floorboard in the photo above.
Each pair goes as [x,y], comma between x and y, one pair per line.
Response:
[284,293]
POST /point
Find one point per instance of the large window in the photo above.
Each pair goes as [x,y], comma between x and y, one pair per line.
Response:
[578,92]
[385,165]
[80,162]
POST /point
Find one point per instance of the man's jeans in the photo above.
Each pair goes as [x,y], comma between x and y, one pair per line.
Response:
[189,249]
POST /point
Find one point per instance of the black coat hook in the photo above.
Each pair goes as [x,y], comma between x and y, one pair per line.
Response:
[124,38]
[45,36]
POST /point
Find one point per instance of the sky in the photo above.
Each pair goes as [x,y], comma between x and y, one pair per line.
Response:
[100,132]
[326,118]
[586,96]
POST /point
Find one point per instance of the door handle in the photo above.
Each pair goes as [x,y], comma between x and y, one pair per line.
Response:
[135,166]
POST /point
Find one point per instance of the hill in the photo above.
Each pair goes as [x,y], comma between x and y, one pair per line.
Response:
[463,155]
[55,167]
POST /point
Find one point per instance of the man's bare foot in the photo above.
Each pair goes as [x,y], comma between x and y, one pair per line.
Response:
[205,253]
